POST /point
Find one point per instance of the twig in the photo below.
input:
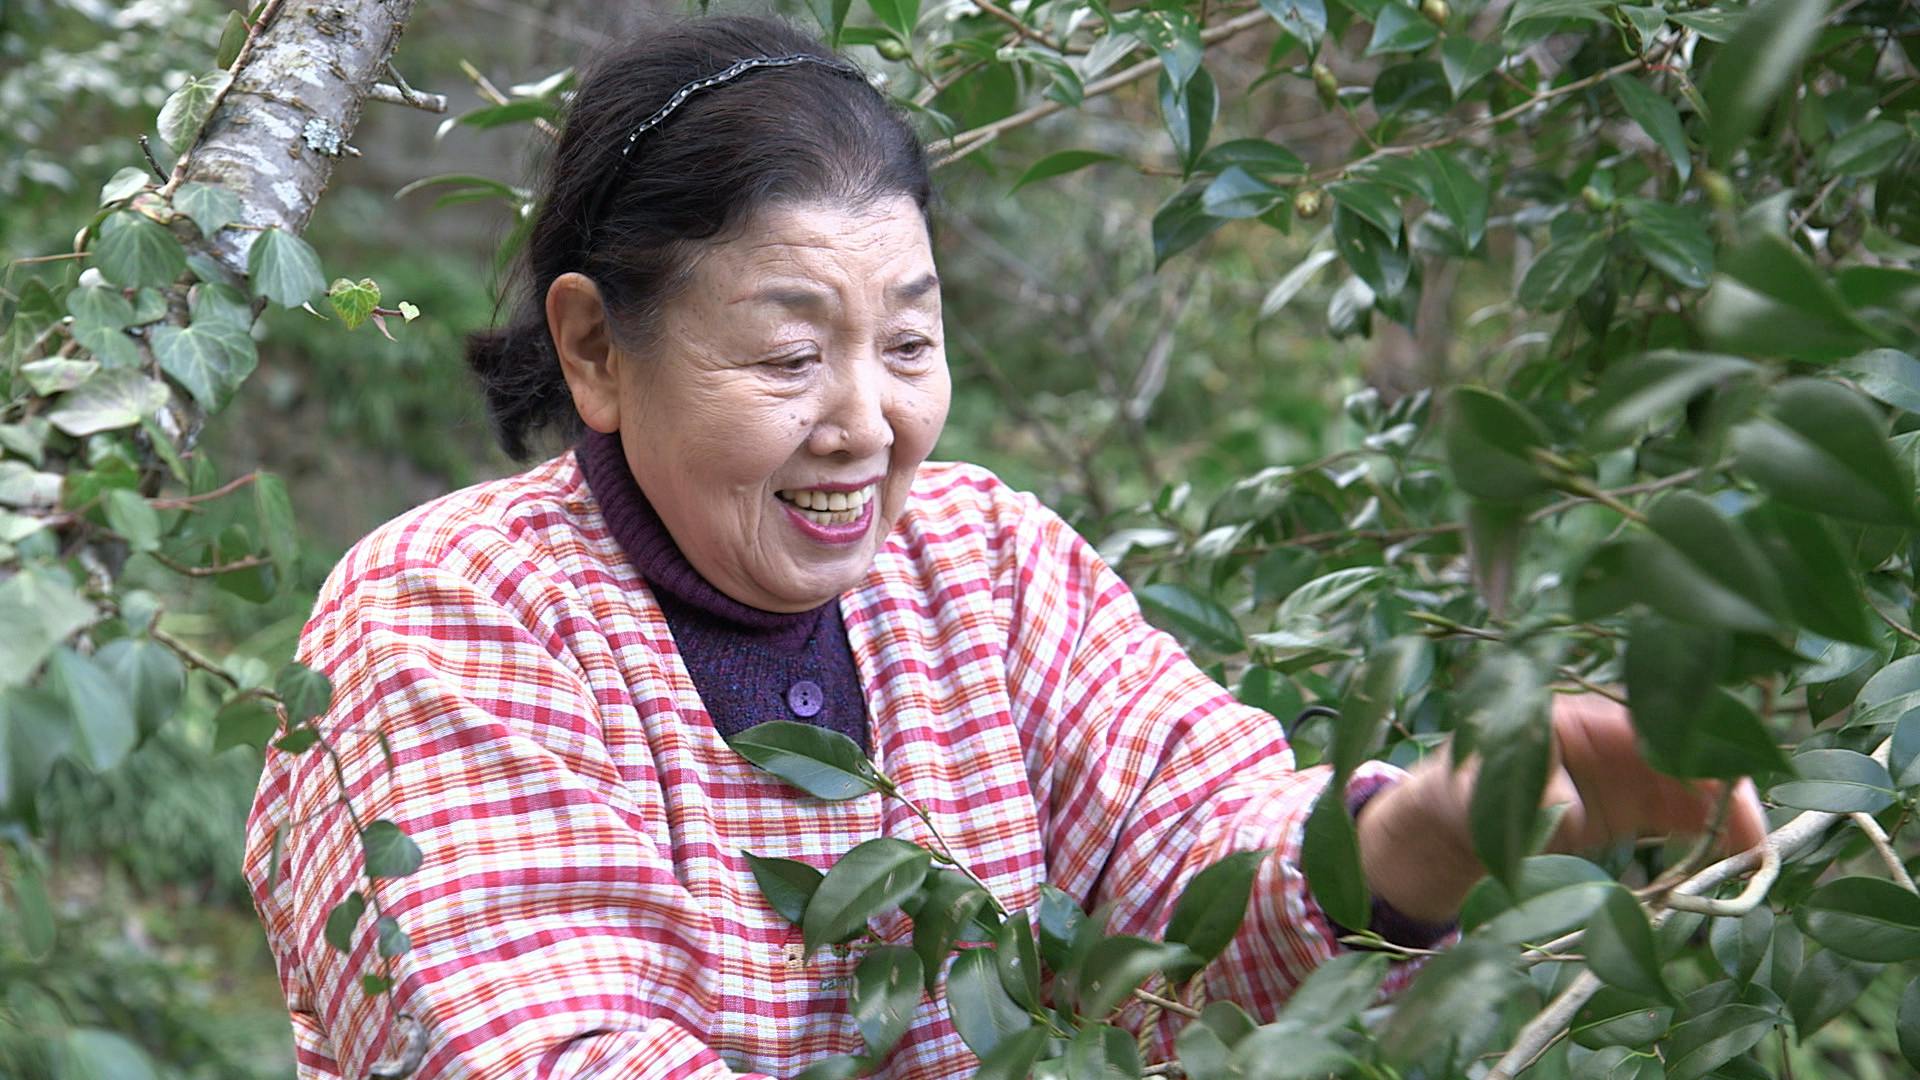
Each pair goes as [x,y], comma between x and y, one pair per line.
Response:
[184,501]
[1589,686]
[389,94]
[1884,845]
[945,854]
[485,88]
[188,655]
[1800,219]
[1168,1004]
[267,15]
[1899,628]
[1547,1028]
[1020,29]
[179,567]
[1750,897]
[152,163]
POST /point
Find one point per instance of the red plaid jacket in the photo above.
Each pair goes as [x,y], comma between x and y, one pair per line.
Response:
[584,910]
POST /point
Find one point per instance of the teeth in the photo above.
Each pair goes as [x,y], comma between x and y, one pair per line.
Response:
[830,507]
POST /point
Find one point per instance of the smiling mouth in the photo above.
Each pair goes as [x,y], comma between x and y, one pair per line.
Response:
[828,507]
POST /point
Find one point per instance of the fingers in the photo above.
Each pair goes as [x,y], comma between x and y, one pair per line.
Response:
[1746,820]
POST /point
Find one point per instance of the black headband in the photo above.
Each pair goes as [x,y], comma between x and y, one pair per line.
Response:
[680,96]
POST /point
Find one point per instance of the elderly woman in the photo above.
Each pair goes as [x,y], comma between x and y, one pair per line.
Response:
[731,300]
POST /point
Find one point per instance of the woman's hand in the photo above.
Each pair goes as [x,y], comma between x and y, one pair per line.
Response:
[1414,843]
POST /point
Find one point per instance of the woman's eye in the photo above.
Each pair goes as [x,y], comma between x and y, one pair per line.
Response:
[913,350]
[793,365]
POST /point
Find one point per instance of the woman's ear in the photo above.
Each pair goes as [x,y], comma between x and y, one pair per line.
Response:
[578,321]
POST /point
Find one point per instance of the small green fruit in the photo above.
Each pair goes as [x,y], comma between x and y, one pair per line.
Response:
[1308,202]
[1436,11]
[1595,199]
[1326,85]
[892,49]
[1718,188]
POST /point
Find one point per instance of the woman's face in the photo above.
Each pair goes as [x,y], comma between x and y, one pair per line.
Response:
[795,386]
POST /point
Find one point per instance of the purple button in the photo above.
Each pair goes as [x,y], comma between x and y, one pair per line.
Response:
[805,698]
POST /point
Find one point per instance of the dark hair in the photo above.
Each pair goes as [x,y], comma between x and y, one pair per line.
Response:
[771,135]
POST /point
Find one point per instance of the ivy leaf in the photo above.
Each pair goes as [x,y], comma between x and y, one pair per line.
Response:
[1756,64]
[982,1013]
[211,207]
[886,990]
[389,940]
[136,250]
[187,109]
[244,721]
[820,762]
[342,920]
[874,876]
[390,853]
[1211,908]
[1823,449]
[787,884]
[102,716]
[154,678]
[133,518]
[304,692]
[1658,118]
[123,185]
[353,301]
[284,268]
[1864,918]
[54,375]
[210,359]
[113,399]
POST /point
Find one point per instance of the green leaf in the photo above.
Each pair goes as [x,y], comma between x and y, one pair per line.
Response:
[1768,264]
[1907,1025]
[1566,269]
[96,1054]
[1179,224]
[1889,695]
[1286,1050]
[1673,238]
[342,920]
[1206,1045]
[32,909]
[133,518]
[1398,29]
[124,184]
[1888,375]
[1548,915]
[1371,254]
[949,902]
[1866,150]
[1824,449]
[152,676]
[1619,946]
[1116,966]
[1836,781]
[1337,991]
[113,399]
[1636,393]
[1196,617]
[210,359]
[211,207]
[186,109]
[874,876]
[1019,959]
[389,940]
[1453,992]
[102,715]
[390,853]
[1013,1058]
[886,990]
[1189,112]
[233,37]
[1864,918]
[304,692]
[1756,64]
[1330,858]
[1698,1046]
[1827,986]
[54,375]
[1619,1063]
[34,315]
[1465,62]
[1237,193]
[1490,443]
[1702,567]
[1658,118]
[982,1013]
[1103,1052]
[1061,163]
[353,301]
[1741,944]
[1815,573]
[1256,156]
[134,250]
[1458,194]
[273,509]
[787,884]
[244,721]
[1059,920]
[284,269]
[1306,20]
[820,762]
[1555,11]
[838,1067]
[1372,202]
[898,14]
[1211,908]
[1510,731]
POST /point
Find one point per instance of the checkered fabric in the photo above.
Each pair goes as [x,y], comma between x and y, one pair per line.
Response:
[507,691]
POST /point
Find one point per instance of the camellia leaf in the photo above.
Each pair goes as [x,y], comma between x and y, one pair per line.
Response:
[1198,618]
[1458,194]
[1888,375]
[1330,858]
[1864,918]
[1823,448]
[210,359]
[1466,61]
[1211,908]
[1116,966]
[1237,193]
[390,853]
[1657,117]
[135,250]
[1837,782]
[1698,1046]
[1815,572]
[1907,1025]
[1702,567]
[1397,29]
[786,883]
[1619,946]
[1865,150]
[1511,734]
[1058,922]
[1825,987]
[211,206]
[1888,695]
[1490,443]
[1337,990]
[949,901]
[1180,223]
[1639,391]
[982,1013]
[838,1067]
[1061,163]
[1452,993]
[1755,65]
[284,268]
[1189,112]
[818,761]
[872,877]
[1548,915]
[1566,269]
[1306,20]
[886,990]
[1257,156]
[1102,1052]
[1019,959]
[1014,1057]
[186,109]
[1673,238]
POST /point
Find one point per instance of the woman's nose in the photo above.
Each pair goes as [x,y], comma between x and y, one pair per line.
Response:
[853,420]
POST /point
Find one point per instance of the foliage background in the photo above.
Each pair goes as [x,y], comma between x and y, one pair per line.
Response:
[1131,398]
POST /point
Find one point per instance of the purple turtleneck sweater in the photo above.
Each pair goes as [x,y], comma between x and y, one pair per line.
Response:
[749,665]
